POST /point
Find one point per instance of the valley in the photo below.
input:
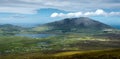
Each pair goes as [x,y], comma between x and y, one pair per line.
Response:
[70,38]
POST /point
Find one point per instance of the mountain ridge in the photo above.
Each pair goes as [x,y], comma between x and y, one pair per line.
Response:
[75,25]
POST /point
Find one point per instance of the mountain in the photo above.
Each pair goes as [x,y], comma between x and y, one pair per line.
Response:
[7,29]
[82,24]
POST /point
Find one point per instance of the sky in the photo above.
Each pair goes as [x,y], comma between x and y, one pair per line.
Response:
[44,11]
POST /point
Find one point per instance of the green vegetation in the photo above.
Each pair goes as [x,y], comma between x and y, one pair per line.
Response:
[76,38]
[62,46]
[8,29]
[66,42]
[94,54]
[41,29]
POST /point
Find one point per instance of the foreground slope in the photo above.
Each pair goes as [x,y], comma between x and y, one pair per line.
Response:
[94,54]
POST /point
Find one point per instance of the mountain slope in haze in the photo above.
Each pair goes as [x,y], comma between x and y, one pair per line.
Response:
[82,24]
[7,29]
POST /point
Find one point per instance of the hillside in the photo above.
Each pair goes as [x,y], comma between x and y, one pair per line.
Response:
[95,54]
[8,29]
[82,24]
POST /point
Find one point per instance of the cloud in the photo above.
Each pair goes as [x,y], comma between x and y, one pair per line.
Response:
[18,10]
[98,12]
[54,15]
[32,6]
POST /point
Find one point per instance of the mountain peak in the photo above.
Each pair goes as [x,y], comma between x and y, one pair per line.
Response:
[80,24]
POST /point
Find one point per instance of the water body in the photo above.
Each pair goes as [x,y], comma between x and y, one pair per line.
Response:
[35,35]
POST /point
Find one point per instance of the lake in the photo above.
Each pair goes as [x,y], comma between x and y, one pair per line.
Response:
[35,35]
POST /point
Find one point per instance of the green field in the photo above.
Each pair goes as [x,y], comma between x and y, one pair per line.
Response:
[65,46]
[93,54]
[68,45]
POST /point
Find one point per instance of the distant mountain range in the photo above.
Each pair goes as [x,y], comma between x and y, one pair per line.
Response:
[78,25]
[82,24]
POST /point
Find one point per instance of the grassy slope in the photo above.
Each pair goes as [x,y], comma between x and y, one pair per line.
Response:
[94,54]
[59,43]
[68,46]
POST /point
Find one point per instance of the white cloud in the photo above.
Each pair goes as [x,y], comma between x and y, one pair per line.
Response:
[18,10]
[98,12]
[114,13]
[54,15]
